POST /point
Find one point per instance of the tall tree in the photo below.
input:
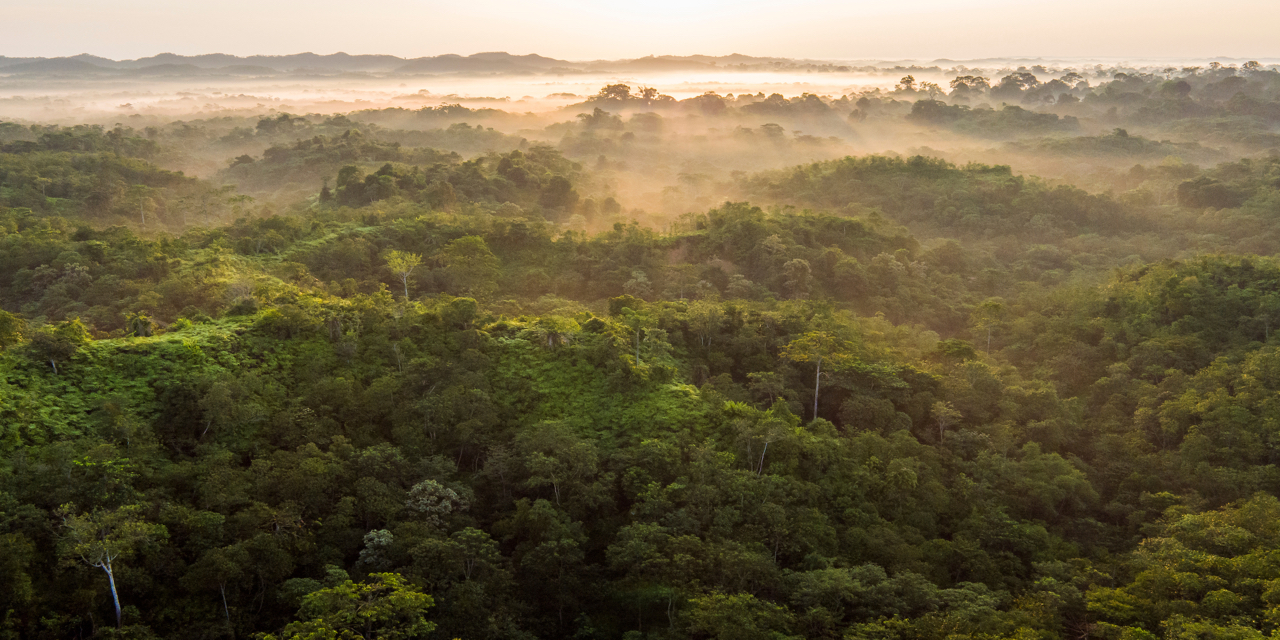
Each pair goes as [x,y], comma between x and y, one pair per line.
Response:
[819,347]
[402,263]
[102,539]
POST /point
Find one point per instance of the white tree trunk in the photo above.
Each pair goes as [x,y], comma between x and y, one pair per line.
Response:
[817,381]
[115,596]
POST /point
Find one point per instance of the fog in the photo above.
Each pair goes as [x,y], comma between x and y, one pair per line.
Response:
[660,136]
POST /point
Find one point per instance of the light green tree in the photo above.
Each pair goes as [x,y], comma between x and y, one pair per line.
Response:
[402,263]
[384,607]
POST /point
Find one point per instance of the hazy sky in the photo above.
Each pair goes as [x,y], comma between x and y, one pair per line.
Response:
[581,29]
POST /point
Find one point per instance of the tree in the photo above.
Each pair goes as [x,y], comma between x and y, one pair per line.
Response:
[102,538]
[11,329]
[816,347]
[1014,84]
[945,415]
[59,343]
[767,384]
[402,264]
[1197,576]
[558,194]
[619,92]
[240,203]
[797,273]
[970,83]
[471,266]
[374,554]
[987,317]
[384,607]
[762,427]
[739,616]
[638,286]
[704,320]
[554,456]
[477,550]
[434,501]
[216,569]
[600,119]
[139,324]
[907,83]
[15,580]
[143,196]
[638,551]
[638,324]
[553,331]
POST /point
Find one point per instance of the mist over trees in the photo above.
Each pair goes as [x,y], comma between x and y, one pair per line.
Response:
[982,352]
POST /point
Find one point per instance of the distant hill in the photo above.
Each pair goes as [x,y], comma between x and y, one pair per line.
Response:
[8,62]
[492,62]
[660,63]
[336,62]
[332,62]
[482,63]
[247,70]
[168,70]
[57,66]
[97,61]
[207,61]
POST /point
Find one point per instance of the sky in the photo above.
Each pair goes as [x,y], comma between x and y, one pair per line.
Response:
[590,30]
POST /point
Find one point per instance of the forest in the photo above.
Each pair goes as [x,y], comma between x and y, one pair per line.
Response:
[980,358]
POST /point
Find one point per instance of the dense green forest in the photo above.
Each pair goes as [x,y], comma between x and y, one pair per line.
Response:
[368,379]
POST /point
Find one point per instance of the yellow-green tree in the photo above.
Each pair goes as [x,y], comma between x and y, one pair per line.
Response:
[383,607]
[402,263]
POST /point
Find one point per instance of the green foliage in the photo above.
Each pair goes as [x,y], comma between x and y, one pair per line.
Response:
[58,343]
[90,174]
[383,607]
[1008,122]
[11,329]
[947,401]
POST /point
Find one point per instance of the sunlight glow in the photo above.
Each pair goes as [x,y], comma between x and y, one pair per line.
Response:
[578,29]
